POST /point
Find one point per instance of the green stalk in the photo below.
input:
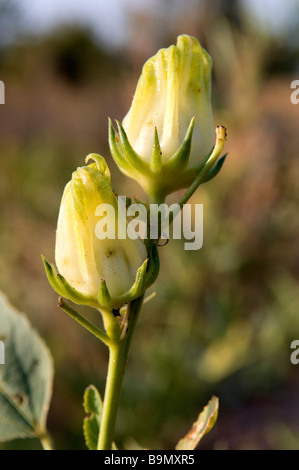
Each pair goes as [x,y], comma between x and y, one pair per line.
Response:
[116,369]
[220,140]
[120,341]
[118,354]
[97,332]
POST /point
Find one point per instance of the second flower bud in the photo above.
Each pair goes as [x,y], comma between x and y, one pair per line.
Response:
[97,272]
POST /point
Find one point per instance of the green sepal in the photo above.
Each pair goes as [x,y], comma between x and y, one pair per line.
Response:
[158,177]
[104,297]
[74,295]
[215,169]
[64,289]
[180,159]
[195,169]
[190,174]
[52,277]
[118,157]
[156,159]
[132,157]
[138,287]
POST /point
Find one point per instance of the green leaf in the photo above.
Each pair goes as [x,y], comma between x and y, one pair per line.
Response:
[93,406]
[25,378]
[204,423]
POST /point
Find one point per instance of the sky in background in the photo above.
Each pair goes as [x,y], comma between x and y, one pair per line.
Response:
[109,19]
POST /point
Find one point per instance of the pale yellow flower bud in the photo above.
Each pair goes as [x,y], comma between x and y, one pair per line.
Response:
[168,133]
[174,86]
[82,258]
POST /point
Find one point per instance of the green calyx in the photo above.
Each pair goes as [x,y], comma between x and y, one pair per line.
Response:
[145,277]
[158,176]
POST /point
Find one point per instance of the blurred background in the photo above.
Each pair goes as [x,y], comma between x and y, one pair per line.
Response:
[224,316]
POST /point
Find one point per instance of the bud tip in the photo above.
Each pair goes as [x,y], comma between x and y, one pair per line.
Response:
[221,133]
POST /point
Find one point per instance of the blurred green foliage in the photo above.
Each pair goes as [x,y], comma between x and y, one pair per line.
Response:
[224,316]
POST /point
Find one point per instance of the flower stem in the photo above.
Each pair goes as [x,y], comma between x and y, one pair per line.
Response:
[118,353]
[84,322]
[116,368]
[220,140]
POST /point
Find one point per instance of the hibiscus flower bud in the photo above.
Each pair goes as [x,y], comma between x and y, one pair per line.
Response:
[169,128]
[98,272]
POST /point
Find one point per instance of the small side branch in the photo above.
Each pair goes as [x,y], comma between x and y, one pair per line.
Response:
[84,322]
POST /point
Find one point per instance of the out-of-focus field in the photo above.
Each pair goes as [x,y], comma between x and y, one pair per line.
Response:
[224,316]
